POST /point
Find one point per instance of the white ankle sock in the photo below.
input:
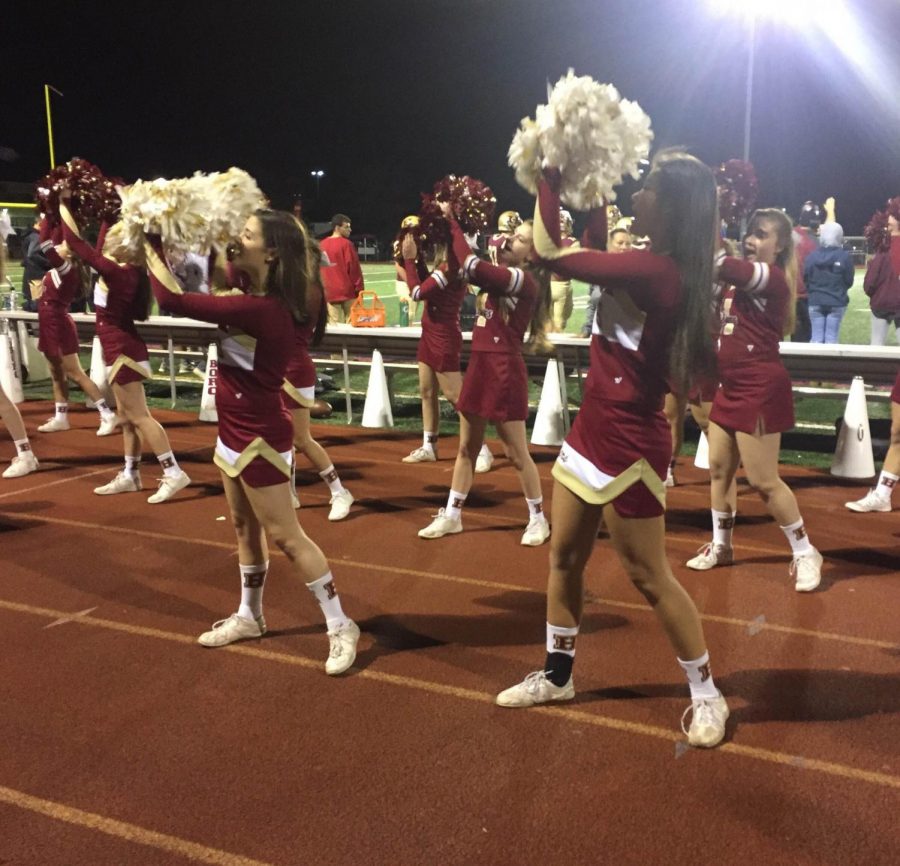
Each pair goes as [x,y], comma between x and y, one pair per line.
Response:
[700,678]
[561,640]
[326,594]
[455,502]
[62,411]
[535,507]
[723,527]
[429,440]
[253,581]
[132,465]
[103,408]
[330,477]
[885,486]
[23,446]
[797,538]
[169,464]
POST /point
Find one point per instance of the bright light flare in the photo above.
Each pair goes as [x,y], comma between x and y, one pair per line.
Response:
[793,13]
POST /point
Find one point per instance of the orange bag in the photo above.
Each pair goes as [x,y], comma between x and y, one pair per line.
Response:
[371,316]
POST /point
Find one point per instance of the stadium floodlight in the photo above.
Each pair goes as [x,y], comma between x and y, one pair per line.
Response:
[788,13]
[318,174]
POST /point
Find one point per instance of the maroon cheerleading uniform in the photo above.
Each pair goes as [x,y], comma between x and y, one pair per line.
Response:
[300,375]
[115,297]
[57,336]
[442,291]
[256,343]
[755,388]
[495,386]
[619,447]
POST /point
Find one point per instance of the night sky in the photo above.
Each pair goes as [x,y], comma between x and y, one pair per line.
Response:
[387,97]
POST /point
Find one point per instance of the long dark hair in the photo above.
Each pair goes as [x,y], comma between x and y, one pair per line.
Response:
[288,275]
[143,297]
[316,288]
[688,201]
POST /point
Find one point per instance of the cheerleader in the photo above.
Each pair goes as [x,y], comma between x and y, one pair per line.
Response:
[299,389]
[57,336]
[24,462]
[754,404]
[440,346]
[254,446]
[121,296]
[651,327]
[496,384]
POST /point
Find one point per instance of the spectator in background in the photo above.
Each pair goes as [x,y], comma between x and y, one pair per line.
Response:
[344,280]
[560,289]
[828,274]
[804,243]
[34,263]
[619,242]
[882,282]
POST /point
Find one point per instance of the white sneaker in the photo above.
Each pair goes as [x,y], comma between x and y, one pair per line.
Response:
[163,367]
[484,462]
[711,555]
[870,502]
[22,464]
[235,628]
[421,455]
[537,531]
[441,526]
[342,643]
[168,487]
[54,425]
[199,372]
[707,723]
[109,425]
[536,688]
[807,571]
[340,505]
[183,368]
[122,483]
[670,478]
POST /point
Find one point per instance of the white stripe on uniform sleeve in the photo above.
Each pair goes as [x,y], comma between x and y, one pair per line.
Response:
[414,294]
[439,278]
[516,280]
[760,278]
[469,265]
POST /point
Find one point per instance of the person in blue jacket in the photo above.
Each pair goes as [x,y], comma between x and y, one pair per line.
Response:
[828,275]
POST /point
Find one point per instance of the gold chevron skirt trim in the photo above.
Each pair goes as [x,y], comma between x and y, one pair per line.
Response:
[294,394]
[640,470]
[257,448]
[139,367]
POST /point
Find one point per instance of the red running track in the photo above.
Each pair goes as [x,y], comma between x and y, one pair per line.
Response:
[126,743]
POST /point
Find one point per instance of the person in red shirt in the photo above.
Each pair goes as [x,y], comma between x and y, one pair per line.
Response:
[804,243]
[344,280]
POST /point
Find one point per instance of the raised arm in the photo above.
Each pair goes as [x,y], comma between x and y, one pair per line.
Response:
[495,279]
[90,256]
[620,270]
[234,310]
[755,278]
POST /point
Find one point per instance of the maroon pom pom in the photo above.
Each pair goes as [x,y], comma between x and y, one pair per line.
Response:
[877,232]
[738,189]
[472,201]
[433,226]
[94,196]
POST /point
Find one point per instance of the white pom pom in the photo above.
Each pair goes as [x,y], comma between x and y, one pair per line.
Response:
[590,133]
[190,214]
